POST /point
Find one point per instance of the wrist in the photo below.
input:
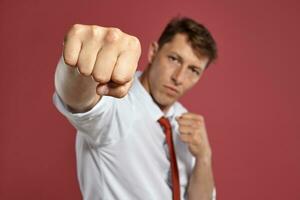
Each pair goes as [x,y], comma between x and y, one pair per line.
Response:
[204,160]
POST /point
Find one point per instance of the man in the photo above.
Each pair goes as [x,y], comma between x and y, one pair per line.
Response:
[134,140]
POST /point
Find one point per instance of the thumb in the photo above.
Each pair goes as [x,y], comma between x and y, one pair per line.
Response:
[113,89]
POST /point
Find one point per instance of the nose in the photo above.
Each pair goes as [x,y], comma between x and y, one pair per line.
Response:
[178,75]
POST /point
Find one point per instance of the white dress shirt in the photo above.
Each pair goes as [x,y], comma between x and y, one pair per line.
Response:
[121,149]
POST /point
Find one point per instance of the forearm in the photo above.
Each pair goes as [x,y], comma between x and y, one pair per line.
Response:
[201,184]
[77,91]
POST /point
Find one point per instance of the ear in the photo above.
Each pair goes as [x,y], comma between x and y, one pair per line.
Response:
[153,48]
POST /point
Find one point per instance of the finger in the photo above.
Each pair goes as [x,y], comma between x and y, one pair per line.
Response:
[188,130]
[126,66]
[105,63]
[190,138]
[192,116]
[87,57]
[185,122]
[195,124]
[185,138]
[72,47]
[113,89]
[119,91]
[102,89]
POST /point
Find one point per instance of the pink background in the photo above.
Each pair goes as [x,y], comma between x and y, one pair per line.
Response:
[249,97]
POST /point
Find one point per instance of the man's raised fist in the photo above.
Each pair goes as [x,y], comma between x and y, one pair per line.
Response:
[107,54]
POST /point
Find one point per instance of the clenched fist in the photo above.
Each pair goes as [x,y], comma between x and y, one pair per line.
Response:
[193,132]
[107,54]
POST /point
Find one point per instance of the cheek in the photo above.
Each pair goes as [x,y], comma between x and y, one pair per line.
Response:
[162,74]
[156,78]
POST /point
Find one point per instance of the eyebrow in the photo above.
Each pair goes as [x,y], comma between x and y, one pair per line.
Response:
[180,58]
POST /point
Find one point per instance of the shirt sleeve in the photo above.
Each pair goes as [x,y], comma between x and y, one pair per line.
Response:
[98,124]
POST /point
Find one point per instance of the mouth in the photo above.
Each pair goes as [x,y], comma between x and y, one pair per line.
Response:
[171,90]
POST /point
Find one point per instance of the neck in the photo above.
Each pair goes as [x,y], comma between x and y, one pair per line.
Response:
[145,81]
[144,78]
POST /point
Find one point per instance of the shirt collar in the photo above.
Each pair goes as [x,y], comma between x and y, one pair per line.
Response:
[152,108]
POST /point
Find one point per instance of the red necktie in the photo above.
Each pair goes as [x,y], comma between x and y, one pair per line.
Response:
[164,122]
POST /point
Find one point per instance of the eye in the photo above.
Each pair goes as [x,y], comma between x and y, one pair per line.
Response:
[195,71]
[173,59]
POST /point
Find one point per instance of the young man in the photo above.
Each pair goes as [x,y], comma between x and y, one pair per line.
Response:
[134,140]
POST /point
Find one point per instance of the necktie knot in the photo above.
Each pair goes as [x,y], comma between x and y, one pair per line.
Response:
[165,123]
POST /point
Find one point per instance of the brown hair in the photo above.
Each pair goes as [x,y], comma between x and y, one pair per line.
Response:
[198,35]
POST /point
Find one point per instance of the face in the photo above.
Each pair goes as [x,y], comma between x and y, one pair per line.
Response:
[173,70]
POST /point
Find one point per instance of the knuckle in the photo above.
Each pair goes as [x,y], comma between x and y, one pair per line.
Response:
[95,31]
[197,123]
[115,30]
[134,42]
[113,34]
[200,118]
[76,29]
[84,70]
[69,59]
[100,79]
[120,79]
[122,91]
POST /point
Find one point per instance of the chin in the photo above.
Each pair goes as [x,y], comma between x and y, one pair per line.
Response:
[165,102]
